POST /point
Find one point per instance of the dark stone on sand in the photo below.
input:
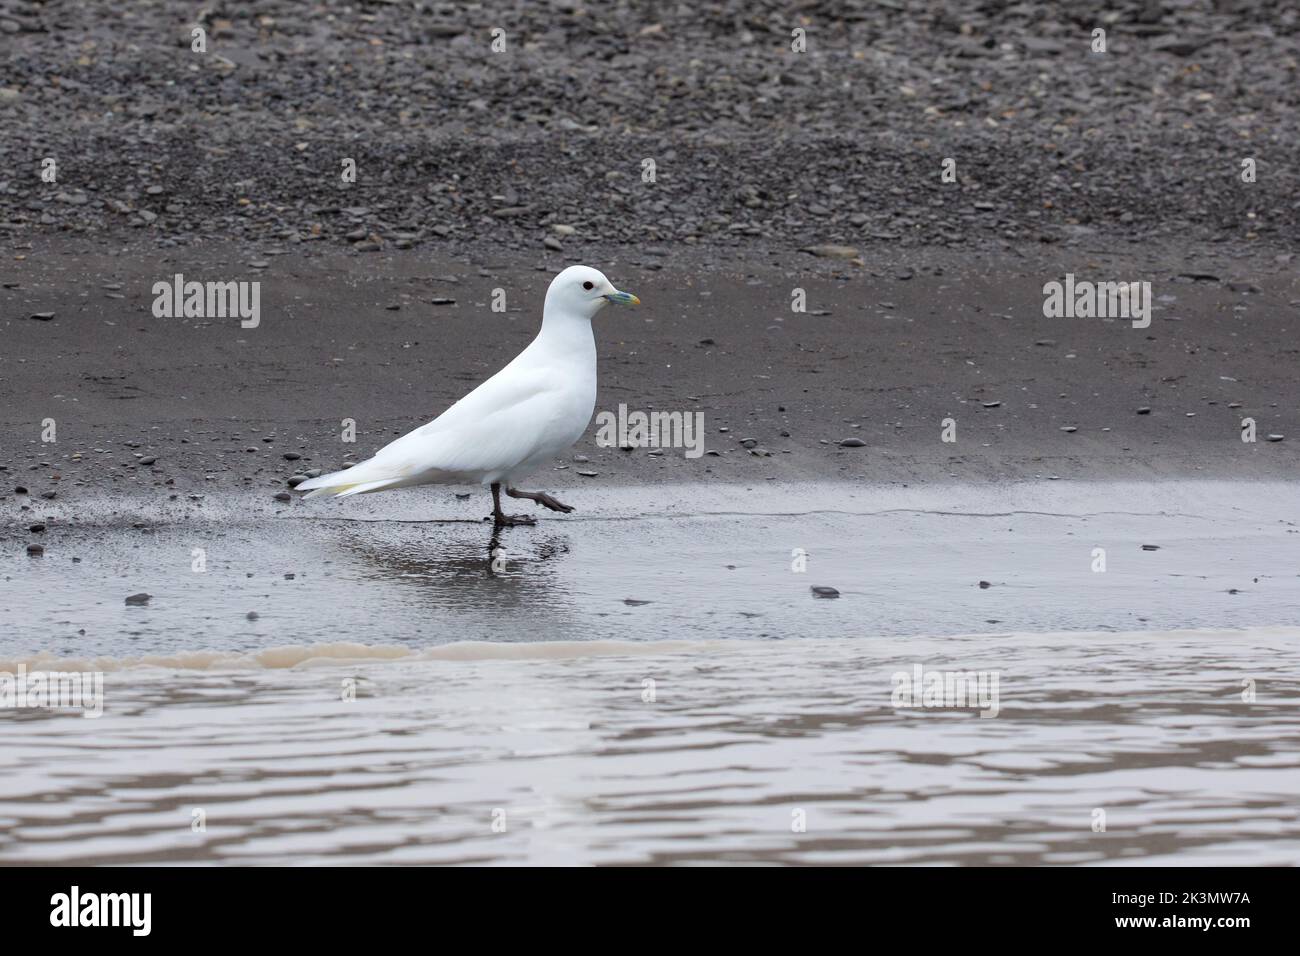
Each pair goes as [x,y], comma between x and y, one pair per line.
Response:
[37,528]
[1144,410]
[1180,46]
[984,585]
[296,480]
[283,496]
[821,591]
[35,550]
[42,316]
[291,456]
[139,600]
[853,443]
[1150,547]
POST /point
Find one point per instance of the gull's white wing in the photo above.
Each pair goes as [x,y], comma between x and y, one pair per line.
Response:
[503,422]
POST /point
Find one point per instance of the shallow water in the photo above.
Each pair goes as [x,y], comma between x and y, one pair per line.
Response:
[1151,729]
[769,706]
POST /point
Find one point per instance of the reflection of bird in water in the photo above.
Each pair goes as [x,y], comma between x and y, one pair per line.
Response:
[460,569]
[513,423]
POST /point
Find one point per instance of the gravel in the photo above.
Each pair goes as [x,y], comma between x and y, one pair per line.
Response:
[828,150]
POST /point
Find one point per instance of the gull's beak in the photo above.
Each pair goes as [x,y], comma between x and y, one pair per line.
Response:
[622,298]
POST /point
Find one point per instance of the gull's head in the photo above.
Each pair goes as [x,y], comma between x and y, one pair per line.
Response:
[583,291]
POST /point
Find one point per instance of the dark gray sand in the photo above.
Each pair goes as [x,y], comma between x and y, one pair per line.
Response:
[886,351]
[124,580]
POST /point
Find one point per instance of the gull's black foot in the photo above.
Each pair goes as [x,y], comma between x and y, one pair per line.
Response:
[542,498]
[509,521]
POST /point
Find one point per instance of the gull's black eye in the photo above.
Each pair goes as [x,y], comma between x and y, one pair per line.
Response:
[588,286]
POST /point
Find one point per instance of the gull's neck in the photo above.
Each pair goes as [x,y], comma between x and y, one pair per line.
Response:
[564,332]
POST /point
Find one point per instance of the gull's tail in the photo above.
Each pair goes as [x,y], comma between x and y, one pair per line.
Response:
[357,480]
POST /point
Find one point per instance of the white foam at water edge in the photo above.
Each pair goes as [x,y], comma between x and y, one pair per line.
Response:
[315,655]
[334,654]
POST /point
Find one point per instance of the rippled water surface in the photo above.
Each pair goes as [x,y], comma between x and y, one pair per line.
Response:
[529,714]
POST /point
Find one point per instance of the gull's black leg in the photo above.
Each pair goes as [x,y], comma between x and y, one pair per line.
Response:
[542,498]
[499,518]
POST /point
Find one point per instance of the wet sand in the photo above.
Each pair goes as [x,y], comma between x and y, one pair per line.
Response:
[237,576]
